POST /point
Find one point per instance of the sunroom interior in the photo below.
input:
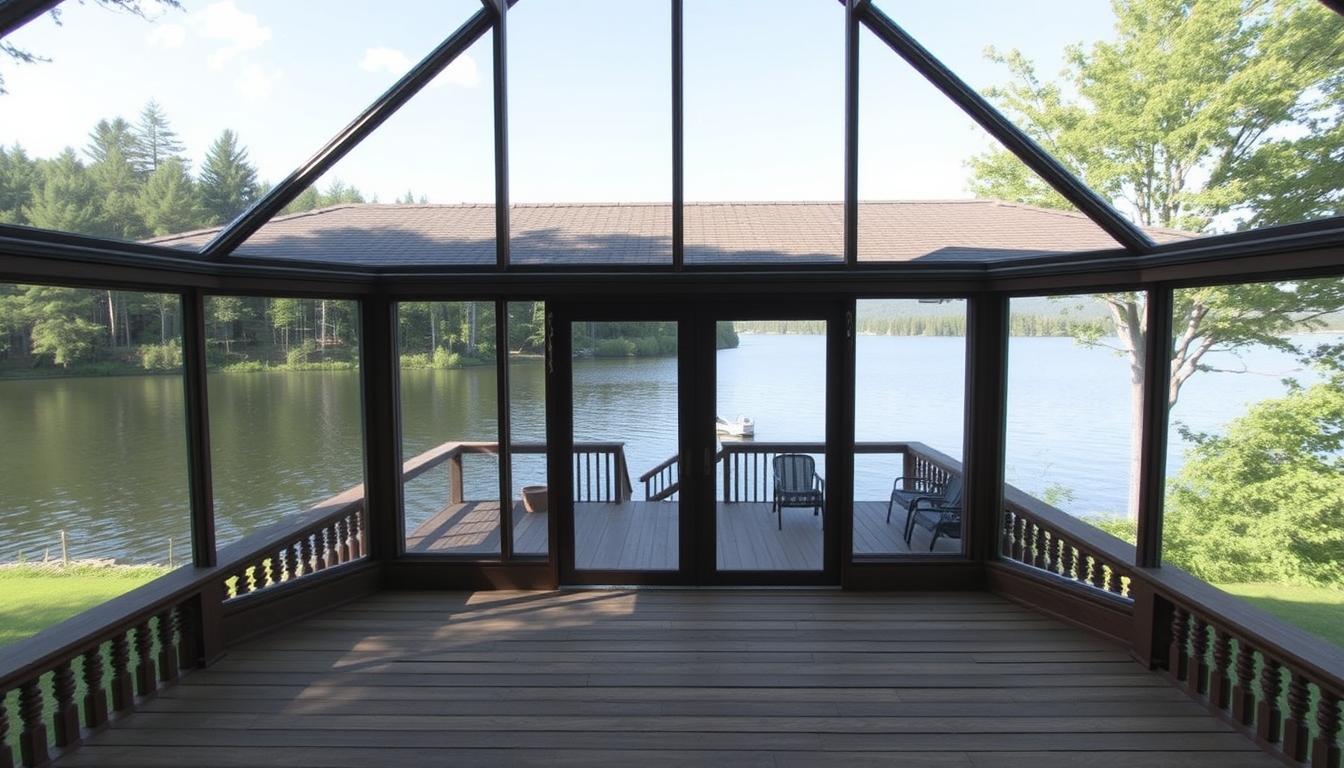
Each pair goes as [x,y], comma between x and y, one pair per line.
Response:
[563,483]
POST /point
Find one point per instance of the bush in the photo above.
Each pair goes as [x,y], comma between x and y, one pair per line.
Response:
[161,357]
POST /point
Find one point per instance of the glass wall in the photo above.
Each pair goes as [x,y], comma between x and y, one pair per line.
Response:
[909,405]
[1072,407]
[93,475]
[450,434]
[1255,493]
[527,425]
[285,409]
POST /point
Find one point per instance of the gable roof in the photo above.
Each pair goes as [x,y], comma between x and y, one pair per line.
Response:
[641,233]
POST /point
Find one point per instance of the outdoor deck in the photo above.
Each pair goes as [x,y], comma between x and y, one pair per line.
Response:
[660,678]
[641,535]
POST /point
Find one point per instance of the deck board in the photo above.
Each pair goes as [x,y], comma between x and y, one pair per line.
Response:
[670,677]
[639,535]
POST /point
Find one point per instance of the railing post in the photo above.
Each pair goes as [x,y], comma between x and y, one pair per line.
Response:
[455,493]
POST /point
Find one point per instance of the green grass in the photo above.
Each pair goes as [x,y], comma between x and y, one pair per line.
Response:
[33,597]
[1318,610]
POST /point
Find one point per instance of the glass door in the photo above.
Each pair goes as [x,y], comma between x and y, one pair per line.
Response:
[621,515]
[694,448]
[770,388]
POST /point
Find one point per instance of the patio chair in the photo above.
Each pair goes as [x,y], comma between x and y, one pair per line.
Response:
[797,484]
[907,490]
[940,517]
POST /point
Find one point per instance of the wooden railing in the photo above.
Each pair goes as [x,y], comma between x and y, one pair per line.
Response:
[1048,539]
[600,469]
[663,481]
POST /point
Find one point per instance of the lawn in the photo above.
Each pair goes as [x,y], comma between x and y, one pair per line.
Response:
[33,597]
[1317,610]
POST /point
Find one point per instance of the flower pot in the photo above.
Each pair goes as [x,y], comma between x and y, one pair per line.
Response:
[534,498]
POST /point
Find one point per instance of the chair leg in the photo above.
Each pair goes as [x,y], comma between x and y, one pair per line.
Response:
[889,505]
[909,523]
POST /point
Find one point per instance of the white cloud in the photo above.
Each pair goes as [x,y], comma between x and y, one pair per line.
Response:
[241,31]
[385,60]
[462,71]
[167,36]
[256,83]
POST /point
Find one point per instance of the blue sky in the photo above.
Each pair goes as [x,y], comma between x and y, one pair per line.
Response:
[589,101]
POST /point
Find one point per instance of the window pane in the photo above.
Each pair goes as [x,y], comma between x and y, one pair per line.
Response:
[285,408]
[1071,406]
[93,476]
[449,420]
[1254,465]
[527,414]
[910,374]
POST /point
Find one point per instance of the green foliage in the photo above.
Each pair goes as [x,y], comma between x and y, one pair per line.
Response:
[169,201]
[162,357]
[1196,109]
[1265,501]
[228,181]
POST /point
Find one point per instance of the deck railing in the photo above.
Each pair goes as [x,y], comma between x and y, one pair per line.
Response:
[601,472]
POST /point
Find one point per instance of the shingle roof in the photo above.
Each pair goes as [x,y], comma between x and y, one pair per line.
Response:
[625,234]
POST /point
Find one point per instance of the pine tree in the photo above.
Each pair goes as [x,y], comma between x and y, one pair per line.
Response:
[228,181]
[170,201]
[119,190]
[67,200]
[155,141]
[18,177]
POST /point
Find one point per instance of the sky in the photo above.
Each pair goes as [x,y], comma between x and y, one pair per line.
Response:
[589,92]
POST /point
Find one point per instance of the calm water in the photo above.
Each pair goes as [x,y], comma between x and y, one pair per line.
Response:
[102,459]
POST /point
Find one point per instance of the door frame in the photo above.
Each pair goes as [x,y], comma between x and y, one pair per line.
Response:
[696,381]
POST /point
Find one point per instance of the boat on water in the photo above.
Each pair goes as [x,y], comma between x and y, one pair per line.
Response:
[741,427]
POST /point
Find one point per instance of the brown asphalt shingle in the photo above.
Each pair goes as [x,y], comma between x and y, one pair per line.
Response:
[716,233]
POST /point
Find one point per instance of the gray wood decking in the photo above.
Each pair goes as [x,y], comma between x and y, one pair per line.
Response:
[641,535]
[669,678]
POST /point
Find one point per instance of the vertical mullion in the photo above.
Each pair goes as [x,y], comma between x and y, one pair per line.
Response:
[1156,410]
[200,480]
[501,135]
[504,429]
[851,237]
[678,138]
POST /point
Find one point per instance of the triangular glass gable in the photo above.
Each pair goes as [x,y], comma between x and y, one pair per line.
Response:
[280,79]
[764,121]
[590,124]
[417,192]
[1209,119]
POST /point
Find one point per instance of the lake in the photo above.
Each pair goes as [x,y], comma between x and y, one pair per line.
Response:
[102,459]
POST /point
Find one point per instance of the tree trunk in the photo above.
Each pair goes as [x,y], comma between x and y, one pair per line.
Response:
[112,318]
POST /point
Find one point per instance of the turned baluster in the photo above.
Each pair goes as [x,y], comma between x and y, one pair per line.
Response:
[1325,750]
[357,534]
[1039,547]
[1243,693]
[1054,554]
[1178,660]
[95,697]
[286,557]
[1199,663]
[1221,690]
[272,570]
[167,625]
[123,685]
[342,541]
[1006,534]
[305,556]
[65,721]
[1019,536]
[1297,731]
[1067,561]
[33,733]
[1096,573]
[6,755]
[145,679]
[241,583]
[323,542]
[1269,718]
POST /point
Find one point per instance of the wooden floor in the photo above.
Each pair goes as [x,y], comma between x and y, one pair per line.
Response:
[671,678]
[641,535]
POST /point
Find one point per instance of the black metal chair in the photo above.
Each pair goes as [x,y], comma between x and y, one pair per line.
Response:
[907,490]
[939,517]
[797,484]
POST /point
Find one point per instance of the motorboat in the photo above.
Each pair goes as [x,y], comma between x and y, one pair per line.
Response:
[741,427]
